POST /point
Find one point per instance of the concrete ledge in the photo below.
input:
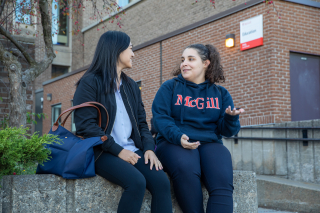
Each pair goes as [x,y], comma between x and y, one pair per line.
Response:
[282,194]
[50,193]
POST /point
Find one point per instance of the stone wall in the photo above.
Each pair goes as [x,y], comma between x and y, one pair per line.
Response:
[286,159]
[50,193]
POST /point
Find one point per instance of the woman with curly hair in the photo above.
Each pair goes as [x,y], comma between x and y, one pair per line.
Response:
[191,113]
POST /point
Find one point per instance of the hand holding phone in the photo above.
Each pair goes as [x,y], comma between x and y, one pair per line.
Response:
[188,145]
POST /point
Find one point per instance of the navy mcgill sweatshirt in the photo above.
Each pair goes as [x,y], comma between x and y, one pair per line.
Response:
[197,110]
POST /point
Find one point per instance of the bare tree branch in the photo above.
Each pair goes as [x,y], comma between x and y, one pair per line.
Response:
[38,68]
[46,24]
[28,57]
[3,2]
[5,18]
[16,53]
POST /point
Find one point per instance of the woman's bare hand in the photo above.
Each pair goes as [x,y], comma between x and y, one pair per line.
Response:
[234,111]
[129,156]
[186,144]
[149,155]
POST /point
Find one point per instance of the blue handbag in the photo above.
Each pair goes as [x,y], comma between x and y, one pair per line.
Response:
[74,158]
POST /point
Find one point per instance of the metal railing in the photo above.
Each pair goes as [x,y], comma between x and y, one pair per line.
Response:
[304,138]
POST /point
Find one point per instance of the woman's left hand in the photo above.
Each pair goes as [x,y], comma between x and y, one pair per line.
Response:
[149,155]
[234,111]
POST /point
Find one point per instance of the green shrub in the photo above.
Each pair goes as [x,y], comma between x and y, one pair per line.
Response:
[20,152]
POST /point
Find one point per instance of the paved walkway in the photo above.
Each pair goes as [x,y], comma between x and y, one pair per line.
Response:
[261,210]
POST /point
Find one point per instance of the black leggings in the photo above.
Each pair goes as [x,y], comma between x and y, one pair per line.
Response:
[211,163]
[134,180]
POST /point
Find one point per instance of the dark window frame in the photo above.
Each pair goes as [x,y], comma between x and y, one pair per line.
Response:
[67,28]
[53,117]
[55,65]
[72,119]
[139,84]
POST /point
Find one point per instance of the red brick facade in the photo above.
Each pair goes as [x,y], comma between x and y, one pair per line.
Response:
[258,79]
[62,92]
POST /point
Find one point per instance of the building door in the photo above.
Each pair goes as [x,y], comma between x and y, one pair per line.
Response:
[39,109]
[304,86]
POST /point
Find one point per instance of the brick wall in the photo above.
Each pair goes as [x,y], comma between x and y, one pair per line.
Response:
[297,30]
[147,20]
[146,68]
[258,79]
[161,17]
[62,92]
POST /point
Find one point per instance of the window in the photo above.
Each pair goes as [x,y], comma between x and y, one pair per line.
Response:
[59,23]
[139,84]
[23,11]
[58,70]
[55,112]
[73,125]
[123,3]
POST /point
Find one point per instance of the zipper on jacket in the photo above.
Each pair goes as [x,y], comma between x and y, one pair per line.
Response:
[114,116]
[131,111]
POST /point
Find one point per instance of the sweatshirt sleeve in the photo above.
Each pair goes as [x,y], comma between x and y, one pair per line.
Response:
[228,125]
[161,110]
[86,118]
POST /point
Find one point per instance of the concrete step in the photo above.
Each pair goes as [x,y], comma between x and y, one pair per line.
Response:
[262,210]
[288,195]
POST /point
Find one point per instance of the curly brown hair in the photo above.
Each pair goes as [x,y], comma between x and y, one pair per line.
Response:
[214,71]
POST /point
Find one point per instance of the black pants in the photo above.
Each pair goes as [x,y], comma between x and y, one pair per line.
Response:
[211,163]
[134,180]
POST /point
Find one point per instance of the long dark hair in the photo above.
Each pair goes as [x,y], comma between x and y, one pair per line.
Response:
[214,71]
[104,62]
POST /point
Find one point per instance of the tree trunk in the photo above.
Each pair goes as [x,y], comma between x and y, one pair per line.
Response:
[17,114]
[18,79]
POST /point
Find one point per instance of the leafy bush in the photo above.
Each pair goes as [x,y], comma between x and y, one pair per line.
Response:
[20,152]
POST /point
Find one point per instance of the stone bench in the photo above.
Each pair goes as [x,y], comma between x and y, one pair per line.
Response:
[51,193]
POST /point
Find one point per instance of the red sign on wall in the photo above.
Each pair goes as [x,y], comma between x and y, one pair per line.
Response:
[251,33]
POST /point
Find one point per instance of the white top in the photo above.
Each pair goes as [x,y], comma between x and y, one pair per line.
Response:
[122,127]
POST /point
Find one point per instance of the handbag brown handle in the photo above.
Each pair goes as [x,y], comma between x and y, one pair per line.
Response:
[64,121]
[86,104]
[97,103]
[70,112]
[56,124]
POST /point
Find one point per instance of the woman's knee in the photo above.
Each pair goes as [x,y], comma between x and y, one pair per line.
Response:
[226,152]
[136,183]
[222,183]
[159,182]
[164,183]
[185,174]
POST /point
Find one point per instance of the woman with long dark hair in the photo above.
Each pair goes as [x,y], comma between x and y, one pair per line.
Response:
[191,113]
[126,157]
